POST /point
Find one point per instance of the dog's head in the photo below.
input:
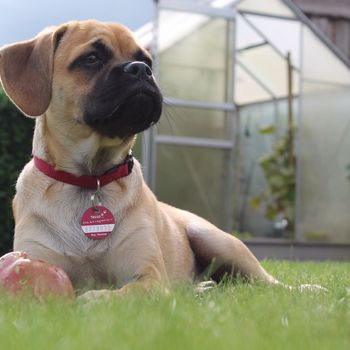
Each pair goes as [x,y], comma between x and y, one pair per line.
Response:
[91,73]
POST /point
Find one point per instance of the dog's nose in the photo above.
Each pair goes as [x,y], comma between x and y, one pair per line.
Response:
[138,69]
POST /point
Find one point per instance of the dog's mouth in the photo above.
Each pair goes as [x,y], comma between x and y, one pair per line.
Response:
[141,104]
[136,113]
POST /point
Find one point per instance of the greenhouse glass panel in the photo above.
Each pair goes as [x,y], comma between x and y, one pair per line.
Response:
[325,165]
[193,122]
[320,63]
[253,146]
[319,87]
[190,183]
[271,28]
[195,66]
[270,68]
[175,26]
[248,90]
[246,36]
[268,7]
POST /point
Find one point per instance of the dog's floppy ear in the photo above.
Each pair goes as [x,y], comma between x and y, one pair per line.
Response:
[26,70]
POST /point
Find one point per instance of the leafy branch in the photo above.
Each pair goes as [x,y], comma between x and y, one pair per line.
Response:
[279,166]
[279,172]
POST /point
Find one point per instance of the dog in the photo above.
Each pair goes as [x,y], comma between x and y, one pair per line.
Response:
[81,203]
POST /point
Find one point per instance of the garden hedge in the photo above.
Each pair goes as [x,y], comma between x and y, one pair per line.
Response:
[15,150]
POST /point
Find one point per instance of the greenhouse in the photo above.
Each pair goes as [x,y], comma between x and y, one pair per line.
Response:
[255,134]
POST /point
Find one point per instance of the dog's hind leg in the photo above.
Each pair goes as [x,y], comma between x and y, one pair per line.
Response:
[220,253]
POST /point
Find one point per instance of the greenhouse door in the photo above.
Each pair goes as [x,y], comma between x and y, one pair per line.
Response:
[189,158]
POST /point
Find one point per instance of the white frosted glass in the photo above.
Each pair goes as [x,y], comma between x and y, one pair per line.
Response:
[175,26]
[223,3]
[245,34]
[316,87]
[272,7]
[198,187]
[320,63]
[247,90]
[270,68]
[194,68]
[283,34]
[193,122]
[324,156]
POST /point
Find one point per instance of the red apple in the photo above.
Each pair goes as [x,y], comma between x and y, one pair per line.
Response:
[18,273]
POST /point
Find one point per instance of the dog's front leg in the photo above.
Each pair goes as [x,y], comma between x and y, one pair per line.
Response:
[143,284]
[38,250]
[136,271]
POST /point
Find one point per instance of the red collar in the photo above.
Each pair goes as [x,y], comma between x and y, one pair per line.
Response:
[86,181]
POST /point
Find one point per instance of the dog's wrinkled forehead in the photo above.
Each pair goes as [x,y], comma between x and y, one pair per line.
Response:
[107,39]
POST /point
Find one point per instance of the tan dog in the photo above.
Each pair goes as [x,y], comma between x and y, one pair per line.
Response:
[92,87]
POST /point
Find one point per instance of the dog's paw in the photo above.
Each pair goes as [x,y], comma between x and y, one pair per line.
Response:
[93,296]
[205,286]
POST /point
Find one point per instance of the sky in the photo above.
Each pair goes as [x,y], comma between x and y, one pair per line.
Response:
[23,19]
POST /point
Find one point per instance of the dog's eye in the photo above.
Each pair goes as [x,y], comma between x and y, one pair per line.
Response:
[91,59]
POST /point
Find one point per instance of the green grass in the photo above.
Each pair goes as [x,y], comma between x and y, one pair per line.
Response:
[237,316]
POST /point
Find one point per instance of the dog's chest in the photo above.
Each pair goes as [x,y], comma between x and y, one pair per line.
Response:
[63,218]
[53,211]
[85,257]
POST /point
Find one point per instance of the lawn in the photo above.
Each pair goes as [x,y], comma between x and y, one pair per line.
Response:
[237,316]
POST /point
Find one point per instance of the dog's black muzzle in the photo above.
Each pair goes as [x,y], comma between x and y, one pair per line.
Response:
[124,101]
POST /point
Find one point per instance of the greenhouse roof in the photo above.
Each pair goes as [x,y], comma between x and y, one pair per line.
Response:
[266,31]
